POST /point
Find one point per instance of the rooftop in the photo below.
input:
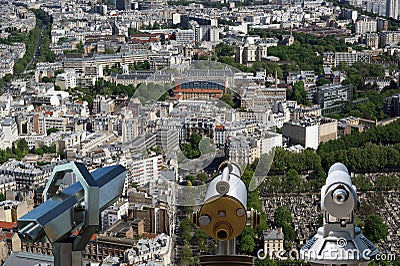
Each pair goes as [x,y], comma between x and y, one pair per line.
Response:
[28,259]
[274,234]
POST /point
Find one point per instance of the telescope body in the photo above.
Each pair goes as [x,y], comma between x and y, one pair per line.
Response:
[77,206]
[338,241]
[223,215]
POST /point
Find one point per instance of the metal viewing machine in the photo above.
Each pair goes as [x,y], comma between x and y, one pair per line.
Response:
[70,217]
[338,241]
[224,215]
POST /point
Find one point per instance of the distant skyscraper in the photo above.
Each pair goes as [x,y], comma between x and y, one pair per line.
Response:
[392,8]
[123,4]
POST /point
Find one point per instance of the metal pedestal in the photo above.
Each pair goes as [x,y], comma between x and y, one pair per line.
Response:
[226,260]
[65,256]
[226,256]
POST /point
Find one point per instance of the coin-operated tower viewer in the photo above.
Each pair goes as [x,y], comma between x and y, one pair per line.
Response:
[338,241]
[70,217]
[224,215]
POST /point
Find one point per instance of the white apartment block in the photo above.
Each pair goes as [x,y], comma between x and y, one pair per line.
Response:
[26,175]
[42,123]
[102,104]
[32,139]
[128,126]
[269,142]
[67,80]
[250,53]
[11,210]
[392,9]
[7,183]
[114,213]
[307,135]
[143,171]
[10,130]
[366,25]
[389,38]
[46,69]
[8,55]
[371,40]
[185,37]
[261,98]
[331,59]
[245,149]
[308,77]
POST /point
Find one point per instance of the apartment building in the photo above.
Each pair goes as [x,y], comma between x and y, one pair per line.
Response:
[331,59]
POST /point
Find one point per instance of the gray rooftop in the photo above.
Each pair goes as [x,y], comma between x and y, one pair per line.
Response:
[28,259]
[273,235]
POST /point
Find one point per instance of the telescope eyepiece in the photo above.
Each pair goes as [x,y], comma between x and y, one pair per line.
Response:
[340,196]
[222,234]
[223,231]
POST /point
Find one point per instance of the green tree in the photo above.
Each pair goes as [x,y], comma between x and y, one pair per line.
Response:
[283,219]
[109,50]
[20,148]
[227,98]
[141,65]
[202,177]
[320,220]
[47,80]
[288,232]
[7,77]
[299,93]
[247,244]
[266,262]
[132,31]
[375,229]
[223,49]
[156,26]
[79,47]
[21,144]
[45,149]
[190,178]
[195,139]
[323,81]
[2,197]
[282,215]
[186,255]
[292,181]
[362,183]
[52,130]
[19,67]
[201,239]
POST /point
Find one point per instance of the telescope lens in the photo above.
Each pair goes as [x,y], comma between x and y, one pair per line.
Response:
[222,234]
[340,196]
[32,232]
